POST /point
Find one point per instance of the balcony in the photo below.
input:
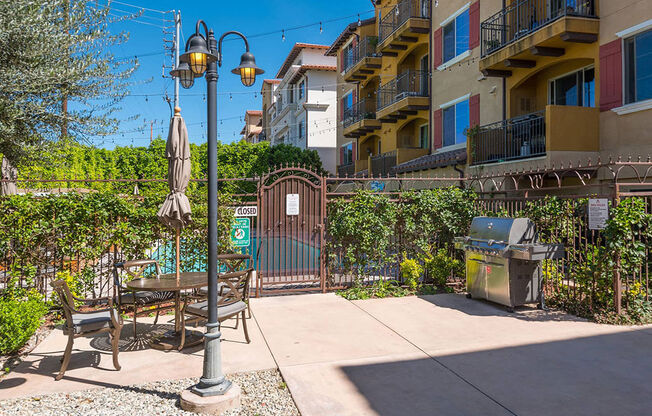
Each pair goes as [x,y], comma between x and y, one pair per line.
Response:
[403,96]
[345,171]
[553,130]
[361,165]
[403,25]
[360,119]
[363,63]
[527,29]
[383,164]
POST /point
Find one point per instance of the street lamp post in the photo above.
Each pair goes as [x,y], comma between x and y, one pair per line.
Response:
[204,54]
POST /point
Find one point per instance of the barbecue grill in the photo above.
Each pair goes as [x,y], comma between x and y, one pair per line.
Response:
[503,261]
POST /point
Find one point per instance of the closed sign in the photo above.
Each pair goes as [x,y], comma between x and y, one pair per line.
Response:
[246,211]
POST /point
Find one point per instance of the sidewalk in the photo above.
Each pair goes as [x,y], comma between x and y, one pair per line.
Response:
[431,355]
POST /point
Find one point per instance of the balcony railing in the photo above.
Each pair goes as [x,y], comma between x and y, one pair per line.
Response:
[517,138]
[400,14]
[526,16]
[364,49]
[383,164]
[346,170]
[362,110]
[411,83]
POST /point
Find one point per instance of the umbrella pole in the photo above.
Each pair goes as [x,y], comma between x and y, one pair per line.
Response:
[178,255]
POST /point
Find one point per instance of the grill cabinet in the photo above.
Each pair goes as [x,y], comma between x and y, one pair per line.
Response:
[503,261]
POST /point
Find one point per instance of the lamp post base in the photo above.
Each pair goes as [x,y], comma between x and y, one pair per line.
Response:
[211,404]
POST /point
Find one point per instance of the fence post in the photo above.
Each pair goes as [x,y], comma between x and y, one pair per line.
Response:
[617,280]
[322,253]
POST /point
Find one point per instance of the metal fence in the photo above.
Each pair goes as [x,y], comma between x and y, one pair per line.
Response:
[383,164]
[516,138]
[523,17]
[289,245]
[410,83]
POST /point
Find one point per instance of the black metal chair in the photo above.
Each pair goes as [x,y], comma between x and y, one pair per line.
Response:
[232,301]
[130,299]
[83,324]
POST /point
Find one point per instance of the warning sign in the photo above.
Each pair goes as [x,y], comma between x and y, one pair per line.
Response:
[240,232]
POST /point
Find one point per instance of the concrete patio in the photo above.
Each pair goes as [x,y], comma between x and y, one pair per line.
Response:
[430,355]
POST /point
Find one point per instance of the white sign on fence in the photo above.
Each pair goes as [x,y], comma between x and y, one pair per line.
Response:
[598,213]
[246,211]
[292,204]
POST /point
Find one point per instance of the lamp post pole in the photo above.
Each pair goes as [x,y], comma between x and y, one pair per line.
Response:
[212,381]
[204,54]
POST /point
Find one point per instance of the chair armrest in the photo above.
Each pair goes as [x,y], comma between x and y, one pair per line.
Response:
[107,298]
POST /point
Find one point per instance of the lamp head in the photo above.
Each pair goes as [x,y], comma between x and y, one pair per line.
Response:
[185,74]
[197,54]
[247,69]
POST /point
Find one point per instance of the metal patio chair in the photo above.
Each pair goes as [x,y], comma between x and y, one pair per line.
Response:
[84,324]
[231,302]
[130,299]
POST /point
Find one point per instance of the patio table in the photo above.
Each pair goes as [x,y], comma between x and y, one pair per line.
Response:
[169,283]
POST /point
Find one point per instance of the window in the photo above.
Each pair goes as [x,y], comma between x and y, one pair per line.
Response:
[348,100]
[302,89]
[423,136]
[638,67]
[301,130]
[576,89]
[456,121]
[456,36]
[347,154]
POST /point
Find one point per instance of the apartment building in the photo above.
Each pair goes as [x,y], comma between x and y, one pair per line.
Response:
[269,99]
[252,126]
[385,116]
[578,82]
[304,112]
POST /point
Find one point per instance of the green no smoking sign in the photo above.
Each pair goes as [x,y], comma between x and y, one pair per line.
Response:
[240,235]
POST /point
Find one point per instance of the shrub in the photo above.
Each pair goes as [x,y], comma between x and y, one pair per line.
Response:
[411,272]
[19,320]
[441,266]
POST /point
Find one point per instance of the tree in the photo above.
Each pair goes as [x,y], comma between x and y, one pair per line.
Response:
[56,52]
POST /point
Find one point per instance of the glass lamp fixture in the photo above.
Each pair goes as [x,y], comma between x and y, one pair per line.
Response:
[247,69]
[185,74]
[197,54]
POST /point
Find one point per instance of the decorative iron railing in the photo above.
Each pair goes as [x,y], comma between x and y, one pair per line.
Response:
[362,110]
[383,164]
[411,83]
[400,14]
[526,16]
[516,138]
[365,48]
[346,170]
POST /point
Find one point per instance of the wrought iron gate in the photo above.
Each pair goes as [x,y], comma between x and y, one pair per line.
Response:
[290,231]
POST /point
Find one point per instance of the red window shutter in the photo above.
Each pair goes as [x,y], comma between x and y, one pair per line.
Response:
[342,56]
[355,96]
[354,42]
[474,25]
[437,129]
[437,48]
[474,110]
[342,109]
[354,146]
[611,75]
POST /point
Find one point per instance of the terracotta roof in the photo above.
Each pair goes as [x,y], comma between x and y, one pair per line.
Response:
[271,81]
[305,68]
[346,34]
[255,112]
[435,160]
[294,52]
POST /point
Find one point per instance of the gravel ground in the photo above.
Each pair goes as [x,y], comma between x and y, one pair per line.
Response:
[263,393]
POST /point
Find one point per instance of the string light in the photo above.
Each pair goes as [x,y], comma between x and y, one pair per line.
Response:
[359,21]
[283,35]
[321,29]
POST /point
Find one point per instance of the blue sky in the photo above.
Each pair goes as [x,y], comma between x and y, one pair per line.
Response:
[250,17]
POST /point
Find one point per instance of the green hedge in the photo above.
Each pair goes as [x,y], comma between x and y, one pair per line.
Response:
[20,317]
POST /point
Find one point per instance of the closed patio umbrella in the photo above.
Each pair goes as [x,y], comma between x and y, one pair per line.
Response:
[175,211]
[8,172]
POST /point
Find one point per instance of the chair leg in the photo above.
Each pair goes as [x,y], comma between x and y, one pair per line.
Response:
[244,325]
[157,312]
[135,312]
[183,329]
[66,357]
[237,320]
[114,345]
